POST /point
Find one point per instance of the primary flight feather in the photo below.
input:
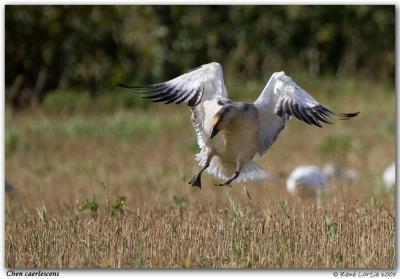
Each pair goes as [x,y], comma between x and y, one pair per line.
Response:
[231,133]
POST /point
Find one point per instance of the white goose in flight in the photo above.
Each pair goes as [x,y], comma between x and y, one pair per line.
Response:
[230,133]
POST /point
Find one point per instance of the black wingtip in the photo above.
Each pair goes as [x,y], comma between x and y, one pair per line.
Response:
[136,88]
[125,86]
[346,116]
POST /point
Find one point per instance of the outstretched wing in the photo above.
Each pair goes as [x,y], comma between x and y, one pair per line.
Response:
[192,88]
[283,98]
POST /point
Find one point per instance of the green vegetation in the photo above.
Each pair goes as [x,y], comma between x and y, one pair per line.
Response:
[91,205]
[340,146]
[93,48]
[11,143]
[331,227]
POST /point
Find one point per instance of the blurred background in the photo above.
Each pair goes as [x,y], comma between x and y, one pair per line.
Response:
[69,127]
[92,48]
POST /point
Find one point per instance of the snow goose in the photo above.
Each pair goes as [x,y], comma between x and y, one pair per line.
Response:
[306,181]
[310,180]
[389,176]
[230,133]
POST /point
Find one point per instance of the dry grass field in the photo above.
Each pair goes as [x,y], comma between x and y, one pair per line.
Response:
[108,189]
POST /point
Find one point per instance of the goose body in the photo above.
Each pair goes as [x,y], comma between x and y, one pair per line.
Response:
[230,134]
[227,147]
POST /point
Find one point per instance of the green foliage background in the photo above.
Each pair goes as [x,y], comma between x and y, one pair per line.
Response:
[92,48]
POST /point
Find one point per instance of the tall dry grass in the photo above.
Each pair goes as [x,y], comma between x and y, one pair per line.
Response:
[194,236]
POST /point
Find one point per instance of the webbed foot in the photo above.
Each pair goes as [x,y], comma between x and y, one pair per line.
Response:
[196,181]
[228,184]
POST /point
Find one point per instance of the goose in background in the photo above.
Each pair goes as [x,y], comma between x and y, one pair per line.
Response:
[230,134]
[309,180]
[389,176]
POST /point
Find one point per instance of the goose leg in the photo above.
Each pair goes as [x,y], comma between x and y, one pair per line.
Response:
[196,180]
[228,183]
